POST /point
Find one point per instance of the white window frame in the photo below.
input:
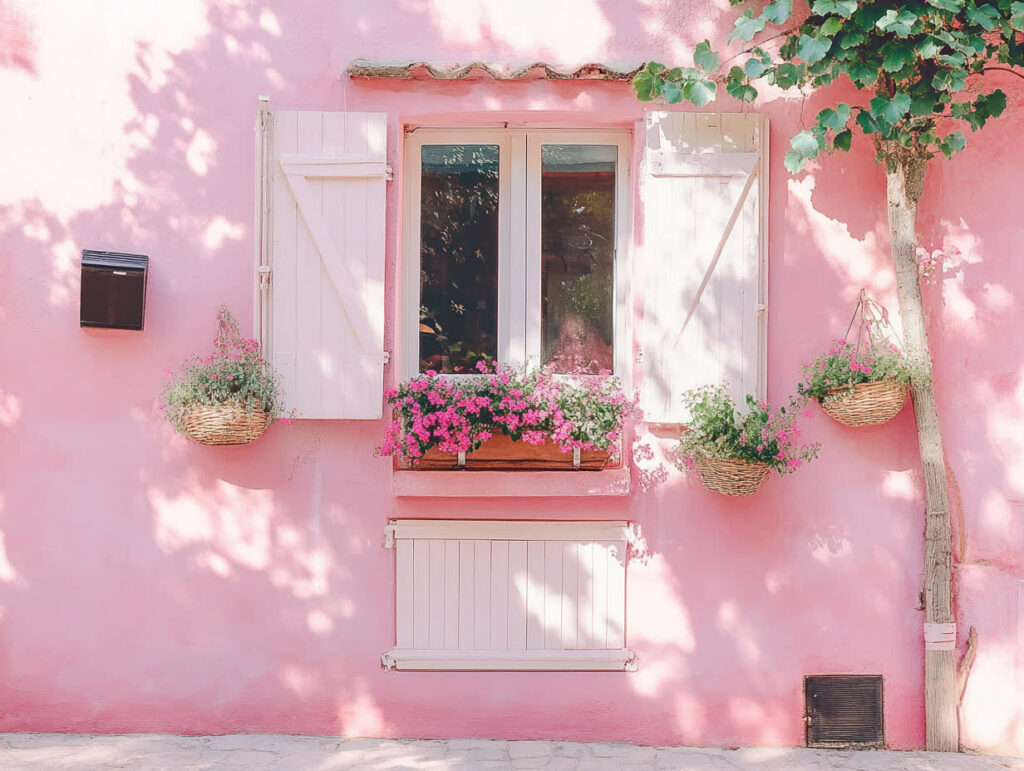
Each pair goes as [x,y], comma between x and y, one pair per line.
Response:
[519,238]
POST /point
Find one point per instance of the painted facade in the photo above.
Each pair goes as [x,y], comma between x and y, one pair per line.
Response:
[147,584]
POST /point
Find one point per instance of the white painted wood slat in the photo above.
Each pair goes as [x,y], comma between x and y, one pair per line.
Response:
[704,269]
[326,320]
[509,602]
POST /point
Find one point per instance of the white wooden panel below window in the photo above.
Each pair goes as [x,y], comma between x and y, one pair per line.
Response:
[476,594]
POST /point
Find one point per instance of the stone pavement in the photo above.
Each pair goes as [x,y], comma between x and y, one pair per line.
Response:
[150,752]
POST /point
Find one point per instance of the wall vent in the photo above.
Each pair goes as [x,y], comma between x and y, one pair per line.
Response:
[844,711]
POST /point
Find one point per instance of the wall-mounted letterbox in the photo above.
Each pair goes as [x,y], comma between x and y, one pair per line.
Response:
[113,289]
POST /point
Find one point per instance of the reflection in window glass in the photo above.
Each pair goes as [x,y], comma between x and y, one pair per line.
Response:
[458,257]
[577,256]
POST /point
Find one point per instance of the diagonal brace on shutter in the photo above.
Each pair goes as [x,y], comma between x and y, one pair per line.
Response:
[296,173]
[718,252]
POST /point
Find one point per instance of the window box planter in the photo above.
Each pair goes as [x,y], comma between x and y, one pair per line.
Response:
[866,404]
[502,453]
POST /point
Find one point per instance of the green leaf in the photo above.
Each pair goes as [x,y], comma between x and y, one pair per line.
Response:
[747,26]
[862,73]
[794,161]
[921,104]
[900,23]
[852,38]
[830,26]
[755,68]
[812,49]
[868,124]
[955,59]
[985,16]
[896,56]
[805,143]
[742,91]
[947,5]
[700,92]
[950,80]
[1017,16]
[890,110]
[788,75]
[704,57]
[643,85]
[835,119]
[953,143]
[928,47]
[843,140]
[996,103]
[844,8]
[778,12]
[671,92]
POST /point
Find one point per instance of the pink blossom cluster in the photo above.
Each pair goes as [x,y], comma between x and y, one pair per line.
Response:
[458,415]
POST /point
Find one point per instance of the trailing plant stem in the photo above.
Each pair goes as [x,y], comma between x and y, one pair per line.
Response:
[905,174]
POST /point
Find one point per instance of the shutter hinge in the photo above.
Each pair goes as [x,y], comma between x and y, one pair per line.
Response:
[760,308]
[264,271]
[389,173]
[387,357]
[389,535]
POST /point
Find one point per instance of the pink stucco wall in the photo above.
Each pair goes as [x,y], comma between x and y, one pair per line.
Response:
[147,584]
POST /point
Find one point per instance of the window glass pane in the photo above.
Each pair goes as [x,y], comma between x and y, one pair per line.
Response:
[577,256]
[458,256]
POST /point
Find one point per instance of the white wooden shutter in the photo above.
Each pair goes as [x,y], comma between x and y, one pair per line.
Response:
[326,304]
[703,261]
[476,594]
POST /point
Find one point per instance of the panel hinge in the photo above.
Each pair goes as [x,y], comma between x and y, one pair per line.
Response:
[264,272]
[760,308]
[389,535]
[389,173]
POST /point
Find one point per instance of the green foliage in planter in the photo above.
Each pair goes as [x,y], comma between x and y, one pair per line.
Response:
[758,434]
[848,364]
[235,373]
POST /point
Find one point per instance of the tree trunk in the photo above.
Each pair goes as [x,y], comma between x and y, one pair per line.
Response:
[905,177]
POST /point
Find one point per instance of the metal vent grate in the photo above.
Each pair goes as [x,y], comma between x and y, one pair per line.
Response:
[844,711]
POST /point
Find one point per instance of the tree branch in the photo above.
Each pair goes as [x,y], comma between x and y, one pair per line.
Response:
[1003,69]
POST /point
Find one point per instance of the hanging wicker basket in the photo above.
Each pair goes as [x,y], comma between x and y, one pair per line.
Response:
[224,424]
[866,404]
[731,477]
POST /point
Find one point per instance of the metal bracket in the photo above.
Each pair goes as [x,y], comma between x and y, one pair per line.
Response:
[264,271]
[389,534]
[630,664]
[387,357]
[389,173]
[576,457]
[462,459]
[387,661]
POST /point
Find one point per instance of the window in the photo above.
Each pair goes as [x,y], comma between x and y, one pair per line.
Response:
[513,246]
[513,595]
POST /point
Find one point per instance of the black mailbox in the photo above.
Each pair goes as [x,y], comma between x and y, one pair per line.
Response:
[113,289]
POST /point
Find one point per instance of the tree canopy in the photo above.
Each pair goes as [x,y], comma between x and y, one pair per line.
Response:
[916,57]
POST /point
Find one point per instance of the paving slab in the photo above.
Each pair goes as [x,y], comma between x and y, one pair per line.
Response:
[157,752]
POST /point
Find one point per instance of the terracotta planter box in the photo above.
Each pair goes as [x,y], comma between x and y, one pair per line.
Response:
[500,453]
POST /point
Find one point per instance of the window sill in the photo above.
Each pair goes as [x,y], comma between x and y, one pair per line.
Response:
[509,484]
[621,660]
